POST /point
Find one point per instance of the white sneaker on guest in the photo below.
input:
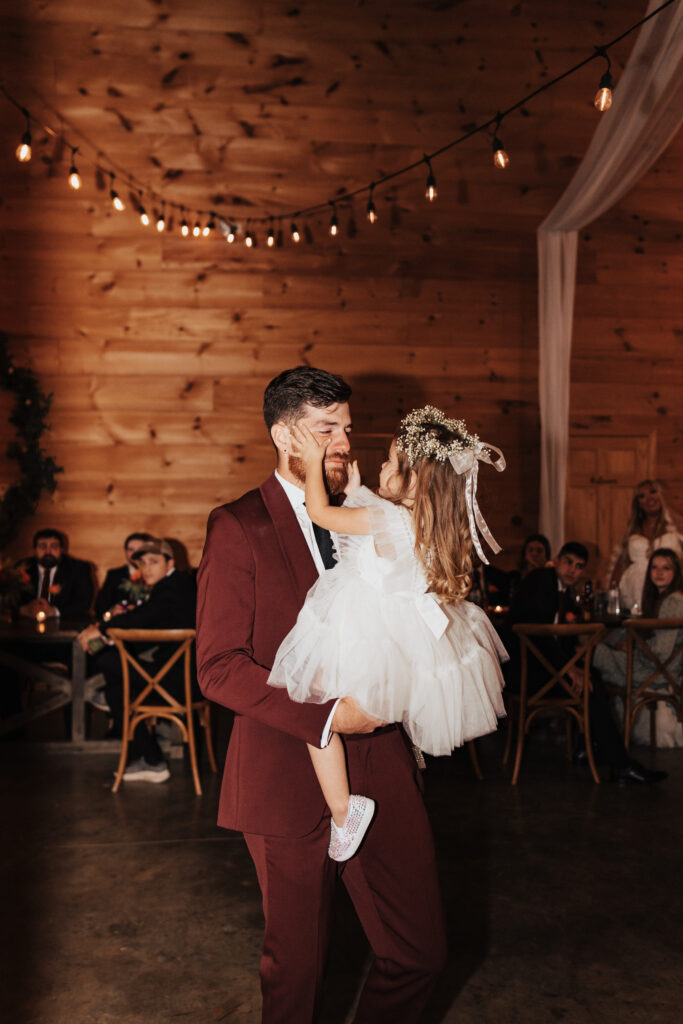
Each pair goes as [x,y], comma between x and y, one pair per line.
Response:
[141,771]
[345,841]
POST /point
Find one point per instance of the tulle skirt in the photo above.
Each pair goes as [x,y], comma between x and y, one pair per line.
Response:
[355,640]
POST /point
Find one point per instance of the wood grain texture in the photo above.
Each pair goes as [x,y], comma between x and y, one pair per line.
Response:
[157,348]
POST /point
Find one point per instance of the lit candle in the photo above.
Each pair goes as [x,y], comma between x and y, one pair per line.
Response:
[40,616]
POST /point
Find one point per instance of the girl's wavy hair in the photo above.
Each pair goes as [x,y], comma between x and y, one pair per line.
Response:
[652,599]
[443,543]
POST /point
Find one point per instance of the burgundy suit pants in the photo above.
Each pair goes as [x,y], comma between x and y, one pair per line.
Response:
[392,882]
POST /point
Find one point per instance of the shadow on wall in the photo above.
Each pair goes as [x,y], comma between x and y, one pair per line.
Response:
[378,404]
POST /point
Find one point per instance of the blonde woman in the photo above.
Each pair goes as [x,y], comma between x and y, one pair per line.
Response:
[651,526]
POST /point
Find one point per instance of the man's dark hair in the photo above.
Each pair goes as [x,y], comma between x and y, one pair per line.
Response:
[291,390]
[572,547]
[137,536]
[46,534]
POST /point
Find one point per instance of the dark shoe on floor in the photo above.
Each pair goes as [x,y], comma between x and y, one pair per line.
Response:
[635,774]
[580,756]
[99,701]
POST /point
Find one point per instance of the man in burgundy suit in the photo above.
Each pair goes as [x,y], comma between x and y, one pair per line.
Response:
[262,555]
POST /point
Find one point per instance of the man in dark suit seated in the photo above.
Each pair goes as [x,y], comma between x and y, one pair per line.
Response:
[171,605]
[118,589]
[59,584]
[545,596]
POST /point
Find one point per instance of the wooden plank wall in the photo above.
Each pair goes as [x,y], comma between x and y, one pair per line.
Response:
[157,348]
[627,365]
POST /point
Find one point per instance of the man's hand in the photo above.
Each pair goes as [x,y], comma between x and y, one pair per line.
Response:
[576,680]
[39,604]
[86,635]
[350,718]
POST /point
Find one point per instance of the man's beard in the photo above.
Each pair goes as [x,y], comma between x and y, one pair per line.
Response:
[336,477]
[47,561]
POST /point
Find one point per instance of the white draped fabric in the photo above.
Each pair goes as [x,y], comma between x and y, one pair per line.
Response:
[646,113]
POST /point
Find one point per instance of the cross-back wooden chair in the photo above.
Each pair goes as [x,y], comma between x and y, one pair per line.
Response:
[527,707]
[154,701]
[662,684]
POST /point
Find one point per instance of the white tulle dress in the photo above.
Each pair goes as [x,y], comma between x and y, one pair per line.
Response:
[369,630]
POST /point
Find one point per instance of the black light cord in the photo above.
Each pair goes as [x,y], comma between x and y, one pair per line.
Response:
[345,197]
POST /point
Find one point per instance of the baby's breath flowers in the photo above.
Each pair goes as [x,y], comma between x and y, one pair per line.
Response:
[421,434]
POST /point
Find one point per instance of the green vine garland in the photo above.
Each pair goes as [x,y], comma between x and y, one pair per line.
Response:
[37,470]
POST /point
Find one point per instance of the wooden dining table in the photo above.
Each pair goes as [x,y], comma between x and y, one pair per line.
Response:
[22,642]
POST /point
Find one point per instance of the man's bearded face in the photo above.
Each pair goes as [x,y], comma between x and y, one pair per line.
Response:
[336,472]
[331,424]
[48,552]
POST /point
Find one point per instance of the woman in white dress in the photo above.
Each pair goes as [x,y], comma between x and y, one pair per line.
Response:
[651,526]
[662,598]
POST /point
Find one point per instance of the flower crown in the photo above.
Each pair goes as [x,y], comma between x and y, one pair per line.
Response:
[416,437]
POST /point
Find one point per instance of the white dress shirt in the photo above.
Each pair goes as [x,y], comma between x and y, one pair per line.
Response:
[53,573]
[560,589]
[297,497]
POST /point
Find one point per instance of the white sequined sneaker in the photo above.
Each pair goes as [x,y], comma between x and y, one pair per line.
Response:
[345,841]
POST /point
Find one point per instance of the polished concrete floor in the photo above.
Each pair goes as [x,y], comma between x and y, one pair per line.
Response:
[563,898]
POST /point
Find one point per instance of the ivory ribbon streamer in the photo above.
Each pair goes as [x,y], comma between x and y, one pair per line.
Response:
[468,462]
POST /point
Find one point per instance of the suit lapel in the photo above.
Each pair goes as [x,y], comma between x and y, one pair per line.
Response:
[291,540]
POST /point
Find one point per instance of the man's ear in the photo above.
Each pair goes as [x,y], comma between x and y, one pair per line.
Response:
[280,435]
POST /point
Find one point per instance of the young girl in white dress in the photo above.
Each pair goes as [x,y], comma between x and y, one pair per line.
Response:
[389,625]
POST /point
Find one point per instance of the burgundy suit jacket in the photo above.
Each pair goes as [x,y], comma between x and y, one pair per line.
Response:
[254,576]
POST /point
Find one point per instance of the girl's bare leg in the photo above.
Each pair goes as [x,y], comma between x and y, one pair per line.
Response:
[329,764]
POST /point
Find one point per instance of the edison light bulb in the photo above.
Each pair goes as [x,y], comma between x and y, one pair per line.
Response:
[603,97]
[500,157]
[24,148]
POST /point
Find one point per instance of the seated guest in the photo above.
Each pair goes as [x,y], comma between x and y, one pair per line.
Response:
[662,598]
[535,554]
[121,586]
[59,584]
[171,605]
[544,596]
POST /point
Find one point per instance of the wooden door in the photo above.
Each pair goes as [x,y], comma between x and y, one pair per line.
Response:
[603,470]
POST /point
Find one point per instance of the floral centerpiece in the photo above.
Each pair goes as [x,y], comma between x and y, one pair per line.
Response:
[135,589]
[14,582]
